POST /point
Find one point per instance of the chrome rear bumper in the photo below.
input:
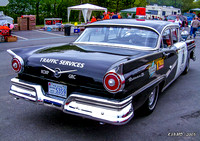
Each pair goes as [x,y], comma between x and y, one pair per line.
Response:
[97,108]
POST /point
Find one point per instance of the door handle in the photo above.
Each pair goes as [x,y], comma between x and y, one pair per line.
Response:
[166,54]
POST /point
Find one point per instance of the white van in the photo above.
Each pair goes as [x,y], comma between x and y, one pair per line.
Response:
[161,11]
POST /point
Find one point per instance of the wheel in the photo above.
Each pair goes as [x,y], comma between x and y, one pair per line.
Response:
[187,67]
[151,102]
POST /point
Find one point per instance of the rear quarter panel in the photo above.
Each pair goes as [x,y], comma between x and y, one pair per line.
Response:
[144,73]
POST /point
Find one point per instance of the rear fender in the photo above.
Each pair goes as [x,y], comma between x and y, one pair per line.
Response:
[138,74]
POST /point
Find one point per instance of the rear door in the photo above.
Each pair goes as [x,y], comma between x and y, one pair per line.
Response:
[169,55]
[181,50]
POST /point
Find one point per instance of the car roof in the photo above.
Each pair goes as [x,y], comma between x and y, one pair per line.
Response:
[155,24]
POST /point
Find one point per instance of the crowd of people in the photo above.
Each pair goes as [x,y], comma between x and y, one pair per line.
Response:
[195,24]
[155,18]
[106,16]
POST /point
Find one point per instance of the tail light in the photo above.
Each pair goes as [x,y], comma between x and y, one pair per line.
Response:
[113,82]
[17,64]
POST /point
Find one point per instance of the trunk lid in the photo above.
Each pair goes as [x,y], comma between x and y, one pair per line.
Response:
[78,65]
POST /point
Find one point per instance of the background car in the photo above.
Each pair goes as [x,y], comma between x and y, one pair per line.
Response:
[172,18]
[189,17]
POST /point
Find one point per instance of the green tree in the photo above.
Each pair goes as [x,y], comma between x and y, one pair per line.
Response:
[140,3]
[184,5]
[58,8]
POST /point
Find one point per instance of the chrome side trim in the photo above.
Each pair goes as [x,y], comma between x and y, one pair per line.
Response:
[98,108]
[11,53]
[148,85]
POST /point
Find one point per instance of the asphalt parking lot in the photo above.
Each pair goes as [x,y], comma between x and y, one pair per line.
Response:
[33,35]
[176,117]
[36,37]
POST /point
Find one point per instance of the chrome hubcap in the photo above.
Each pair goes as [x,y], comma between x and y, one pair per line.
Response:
[152,99]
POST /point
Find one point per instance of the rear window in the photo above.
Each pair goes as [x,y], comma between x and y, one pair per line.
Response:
[131,36]
[171,17]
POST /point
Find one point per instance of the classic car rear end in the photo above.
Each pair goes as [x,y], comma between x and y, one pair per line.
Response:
[73,84]
[112,69]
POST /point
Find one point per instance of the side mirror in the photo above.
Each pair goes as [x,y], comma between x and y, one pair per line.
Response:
[184,34]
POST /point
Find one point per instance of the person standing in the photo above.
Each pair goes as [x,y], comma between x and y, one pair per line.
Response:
[178,21]
[165,18]
[129,16]
[119,16]
[184,24]
[93,19]
[106,16]
[115,16]
[195,24]
[99,18]
[156,18]
[191,28]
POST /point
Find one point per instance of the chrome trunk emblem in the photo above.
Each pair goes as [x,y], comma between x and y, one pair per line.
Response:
[57,72]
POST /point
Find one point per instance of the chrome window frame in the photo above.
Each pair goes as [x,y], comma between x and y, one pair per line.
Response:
[123,46]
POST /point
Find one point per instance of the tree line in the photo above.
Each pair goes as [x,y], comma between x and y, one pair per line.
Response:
[58,8]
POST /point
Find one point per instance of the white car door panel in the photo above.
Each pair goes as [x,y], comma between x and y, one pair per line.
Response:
[182,57]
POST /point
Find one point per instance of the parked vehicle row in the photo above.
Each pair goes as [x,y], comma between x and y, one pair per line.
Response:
[172,18]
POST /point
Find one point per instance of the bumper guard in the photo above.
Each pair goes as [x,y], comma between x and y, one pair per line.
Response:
[117,112]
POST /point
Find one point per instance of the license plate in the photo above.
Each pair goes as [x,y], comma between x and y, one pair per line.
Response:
[57,89]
